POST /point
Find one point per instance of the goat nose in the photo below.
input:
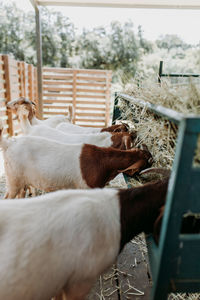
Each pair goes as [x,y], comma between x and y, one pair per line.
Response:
[150,160]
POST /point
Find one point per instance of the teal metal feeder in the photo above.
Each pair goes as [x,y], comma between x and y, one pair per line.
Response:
[175,262]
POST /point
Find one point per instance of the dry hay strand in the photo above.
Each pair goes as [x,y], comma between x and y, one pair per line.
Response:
[181,98]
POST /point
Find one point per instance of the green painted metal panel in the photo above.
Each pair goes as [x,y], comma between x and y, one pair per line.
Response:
[188,266]
[116,110]
[194,202]
[127,179]
[184,286]
[154,254]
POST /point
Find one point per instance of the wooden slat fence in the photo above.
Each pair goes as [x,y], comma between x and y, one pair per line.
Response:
[16,79]
[87,91]
[3,111]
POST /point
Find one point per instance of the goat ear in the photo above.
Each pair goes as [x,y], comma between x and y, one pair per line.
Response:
[127,142]
[126,125]
[133,135]
[116,130]
[134,168]
[144,147]
[9,108]
[10,105]
[157,225]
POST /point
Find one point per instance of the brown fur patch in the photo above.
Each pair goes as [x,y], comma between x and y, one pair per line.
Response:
[134,168]
[121,140]
[14,105]
[100,165]
[140,207]
[116,128]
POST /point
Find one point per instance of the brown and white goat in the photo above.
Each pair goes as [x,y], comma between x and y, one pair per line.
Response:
[66,239]
[75,129]
[49,165]
[54,121]
[119,140]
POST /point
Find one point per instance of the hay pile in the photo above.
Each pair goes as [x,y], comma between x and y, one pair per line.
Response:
[183,98]
[156,132]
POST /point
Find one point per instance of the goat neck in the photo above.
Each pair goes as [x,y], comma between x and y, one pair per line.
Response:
[140,208]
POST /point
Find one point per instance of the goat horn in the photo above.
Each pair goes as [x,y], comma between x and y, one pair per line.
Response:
[162,171]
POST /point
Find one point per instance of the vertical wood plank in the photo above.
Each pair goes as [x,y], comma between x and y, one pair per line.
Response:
[74,95]
[8,91]
[3,92]
[22,78]
[108,83]
[20,73]
[39,62]
[35,84]
[36,91]
[30,82]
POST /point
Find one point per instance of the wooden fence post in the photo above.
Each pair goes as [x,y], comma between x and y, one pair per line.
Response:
[30,82]
[35,83]
[74,96]
[6,60]
[107,112]
[20,72]
[23,66]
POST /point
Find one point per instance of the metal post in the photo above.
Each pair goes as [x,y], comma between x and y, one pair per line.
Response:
[39,61]
[160,71]
[116,110]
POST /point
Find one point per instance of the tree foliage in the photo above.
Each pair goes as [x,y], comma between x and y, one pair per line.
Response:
[11,30]
[171,41]
[117,47]
[18,36]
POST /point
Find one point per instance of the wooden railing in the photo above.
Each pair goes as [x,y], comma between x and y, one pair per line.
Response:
[87,91]
[17,79]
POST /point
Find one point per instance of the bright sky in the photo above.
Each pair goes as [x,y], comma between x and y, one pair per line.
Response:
[155,22]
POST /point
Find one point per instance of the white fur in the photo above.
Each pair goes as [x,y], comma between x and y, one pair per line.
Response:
[59,240]
[51,122]
[75,129]
[101,140]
